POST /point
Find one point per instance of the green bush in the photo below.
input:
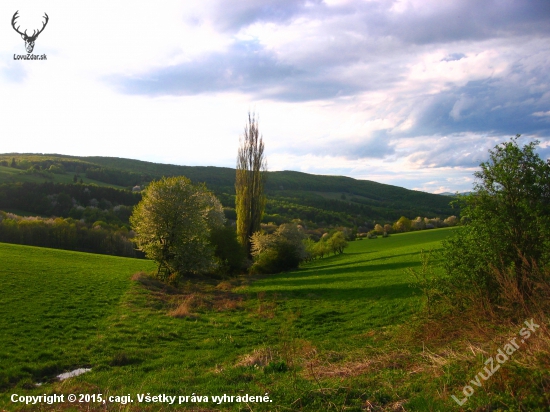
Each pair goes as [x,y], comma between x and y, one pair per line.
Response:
[506,231]
[280,257]
[230,253]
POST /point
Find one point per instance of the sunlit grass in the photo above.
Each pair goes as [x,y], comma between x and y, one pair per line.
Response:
[64,310]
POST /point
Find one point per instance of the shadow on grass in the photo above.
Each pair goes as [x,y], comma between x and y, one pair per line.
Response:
[333,275]
[350,287]
[312,267]
[331,294]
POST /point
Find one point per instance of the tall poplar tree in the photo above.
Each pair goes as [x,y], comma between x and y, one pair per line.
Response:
[249,183]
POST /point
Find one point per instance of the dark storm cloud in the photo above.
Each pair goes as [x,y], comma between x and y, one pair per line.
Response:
[242,68]
[246,67]
[466,150]
[367,46]
[364,34]
[450,21]
[434,22]
[505,106]
[374,146]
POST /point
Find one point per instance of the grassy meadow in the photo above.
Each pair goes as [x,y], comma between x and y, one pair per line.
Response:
[325,337]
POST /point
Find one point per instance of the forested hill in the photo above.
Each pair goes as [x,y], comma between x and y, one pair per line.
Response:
[322,200]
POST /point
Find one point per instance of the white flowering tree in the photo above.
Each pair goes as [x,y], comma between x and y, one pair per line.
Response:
[172,224]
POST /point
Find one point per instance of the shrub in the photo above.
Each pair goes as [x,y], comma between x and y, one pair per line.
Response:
[280,257]
[283,250]
[322,248]
[337,243]
[507,228]
[227,249]
[402,225]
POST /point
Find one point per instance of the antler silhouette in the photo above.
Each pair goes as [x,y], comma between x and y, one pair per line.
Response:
[43,25]
[29,40]
[15,16]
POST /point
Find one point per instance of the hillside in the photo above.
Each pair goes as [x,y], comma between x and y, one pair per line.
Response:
[315,199]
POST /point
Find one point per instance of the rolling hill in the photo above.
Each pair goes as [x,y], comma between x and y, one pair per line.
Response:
[314,199]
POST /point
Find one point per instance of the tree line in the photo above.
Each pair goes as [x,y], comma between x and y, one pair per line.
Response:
[404,224]
[58,199]
[67,234]
[48,167]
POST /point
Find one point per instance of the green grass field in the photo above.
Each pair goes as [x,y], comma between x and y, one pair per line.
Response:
[319,338]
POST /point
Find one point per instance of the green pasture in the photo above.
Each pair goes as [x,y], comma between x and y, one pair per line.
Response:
[64,310]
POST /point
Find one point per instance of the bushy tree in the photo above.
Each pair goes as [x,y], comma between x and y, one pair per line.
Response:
[173,222]
[309,246]
[322,248]
[402,225]
[507,225]
[227,249]
[451,221]
[337,243]
[282,250]
[379,229]
[260,242]
[294,235]
[418,224]
[280,257]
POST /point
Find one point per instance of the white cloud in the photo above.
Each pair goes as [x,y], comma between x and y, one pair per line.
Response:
[370,89]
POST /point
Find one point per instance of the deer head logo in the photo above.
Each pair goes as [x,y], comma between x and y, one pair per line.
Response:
[29,40]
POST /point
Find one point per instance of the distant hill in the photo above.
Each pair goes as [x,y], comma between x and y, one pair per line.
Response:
[454,194]
[315,199]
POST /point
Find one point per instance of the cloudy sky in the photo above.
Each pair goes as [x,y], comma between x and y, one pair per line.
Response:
[411,93]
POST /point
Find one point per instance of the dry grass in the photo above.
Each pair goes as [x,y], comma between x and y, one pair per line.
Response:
[319,369]
[153,284]
[392,407]
[188,305]
[225,286]
[299,352]
[484,328]
[231,303]
[267,309]
[259,357]
[316,370]
[191,298]
[183,311]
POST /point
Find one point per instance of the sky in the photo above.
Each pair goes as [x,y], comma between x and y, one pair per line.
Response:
[409,93]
